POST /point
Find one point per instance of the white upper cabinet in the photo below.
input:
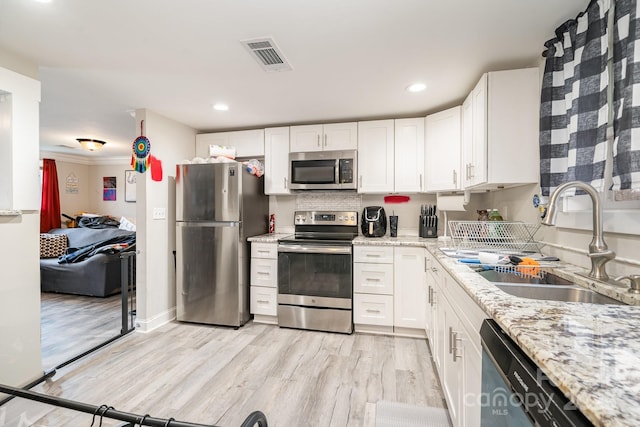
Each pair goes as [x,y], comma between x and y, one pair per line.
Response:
[276,160]
[442,152]
[248,143]
[500,130]
[335,136]
[409,155]
[376,156]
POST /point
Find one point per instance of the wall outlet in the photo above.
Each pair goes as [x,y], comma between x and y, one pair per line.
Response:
[159,213]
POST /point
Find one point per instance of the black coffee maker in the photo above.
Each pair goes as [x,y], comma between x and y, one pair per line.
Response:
[373,222]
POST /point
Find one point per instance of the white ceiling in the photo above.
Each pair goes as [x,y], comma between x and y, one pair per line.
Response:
[351,59]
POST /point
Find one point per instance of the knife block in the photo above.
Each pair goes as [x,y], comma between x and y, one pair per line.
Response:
[428,226]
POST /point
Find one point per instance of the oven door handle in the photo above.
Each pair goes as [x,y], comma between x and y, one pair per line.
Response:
[315,249]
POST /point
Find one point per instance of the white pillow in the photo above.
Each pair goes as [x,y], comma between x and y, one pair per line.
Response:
[125,224]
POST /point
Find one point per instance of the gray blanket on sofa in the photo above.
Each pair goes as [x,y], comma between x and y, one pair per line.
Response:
[110,246]
[95,270]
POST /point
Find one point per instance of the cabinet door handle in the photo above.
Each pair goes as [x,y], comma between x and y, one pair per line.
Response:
[450,340]
[425,264]
[472,172]
[421,182]
[455,354]
[318,140]
[285,182]
[325,140]
[430,298]
[360,182]
[455,178]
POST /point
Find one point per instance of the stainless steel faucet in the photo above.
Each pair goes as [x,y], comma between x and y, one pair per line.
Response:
[599,252]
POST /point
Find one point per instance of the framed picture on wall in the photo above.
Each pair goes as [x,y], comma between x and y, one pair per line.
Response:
[130,185]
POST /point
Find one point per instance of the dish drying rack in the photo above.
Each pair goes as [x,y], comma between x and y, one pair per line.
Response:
[507,237]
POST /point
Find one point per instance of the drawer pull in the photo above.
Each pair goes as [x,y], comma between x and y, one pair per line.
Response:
[371,310]
[372,279]
[263,301]
[264,273]
[372,255]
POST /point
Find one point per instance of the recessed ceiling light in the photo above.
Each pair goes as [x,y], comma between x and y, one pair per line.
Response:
[220,107]
[416,87]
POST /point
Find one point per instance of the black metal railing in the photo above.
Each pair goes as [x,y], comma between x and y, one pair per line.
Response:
[256,418]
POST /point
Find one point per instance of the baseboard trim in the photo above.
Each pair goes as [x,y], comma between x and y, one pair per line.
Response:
[148,325]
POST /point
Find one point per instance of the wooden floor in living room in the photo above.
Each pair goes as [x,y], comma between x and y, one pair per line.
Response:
[72,324]
[218,376]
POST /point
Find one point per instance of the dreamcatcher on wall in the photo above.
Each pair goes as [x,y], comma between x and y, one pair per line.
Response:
[141,149]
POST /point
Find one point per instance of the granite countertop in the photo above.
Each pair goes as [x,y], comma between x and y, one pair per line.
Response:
[268,238]
[590,351]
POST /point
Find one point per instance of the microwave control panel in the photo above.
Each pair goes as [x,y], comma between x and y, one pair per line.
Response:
[345,171]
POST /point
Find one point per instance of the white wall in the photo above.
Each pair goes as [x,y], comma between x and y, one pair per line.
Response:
[117,208]
[89,174]
[519,207]
[73,203]
[20,356]
[171,142]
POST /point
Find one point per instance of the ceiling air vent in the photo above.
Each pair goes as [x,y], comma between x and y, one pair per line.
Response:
[267,54]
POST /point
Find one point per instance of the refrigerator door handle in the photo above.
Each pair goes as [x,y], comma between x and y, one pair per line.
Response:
[210,224]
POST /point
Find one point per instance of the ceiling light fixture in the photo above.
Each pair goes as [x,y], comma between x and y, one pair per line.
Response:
[220,107]
[416,87]
[91,144]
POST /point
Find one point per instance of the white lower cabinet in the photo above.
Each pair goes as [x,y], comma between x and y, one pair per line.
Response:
[455,344]
[263,299]
[408,288]
[373,310]
[389,292]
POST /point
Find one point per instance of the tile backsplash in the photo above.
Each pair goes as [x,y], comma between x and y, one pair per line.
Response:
[328,201]
[284,207]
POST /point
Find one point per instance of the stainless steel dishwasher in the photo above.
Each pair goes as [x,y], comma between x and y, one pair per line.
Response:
[515,392]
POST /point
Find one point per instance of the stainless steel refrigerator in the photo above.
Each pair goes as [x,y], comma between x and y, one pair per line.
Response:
[218,205]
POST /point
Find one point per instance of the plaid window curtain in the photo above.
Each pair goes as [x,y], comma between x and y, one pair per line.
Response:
[626,96]
[573,109]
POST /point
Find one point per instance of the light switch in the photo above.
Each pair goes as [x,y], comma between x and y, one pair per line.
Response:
[159,213]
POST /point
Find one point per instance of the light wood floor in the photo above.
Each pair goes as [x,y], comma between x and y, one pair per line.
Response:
[215,375]
[72,324]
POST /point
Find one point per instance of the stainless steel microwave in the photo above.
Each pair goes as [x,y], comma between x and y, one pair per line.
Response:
[323,170]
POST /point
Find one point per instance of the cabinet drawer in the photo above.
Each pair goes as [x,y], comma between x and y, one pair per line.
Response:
[371,278]
[264,272]
[264,301]
[375,254]
[264,250]
[373,309]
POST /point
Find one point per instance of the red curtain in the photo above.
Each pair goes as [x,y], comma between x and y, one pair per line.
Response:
[50,205]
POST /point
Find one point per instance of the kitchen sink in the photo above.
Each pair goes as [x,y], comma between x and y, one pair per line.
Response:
[508,277]
[550,287]
[571,293]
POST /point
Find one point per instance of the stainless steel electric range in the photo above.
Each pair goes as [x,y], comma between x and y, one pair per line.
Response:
[315,277]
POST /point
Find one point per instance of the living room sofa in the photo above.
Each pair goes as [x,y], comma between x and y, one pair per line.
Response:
[97,272]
